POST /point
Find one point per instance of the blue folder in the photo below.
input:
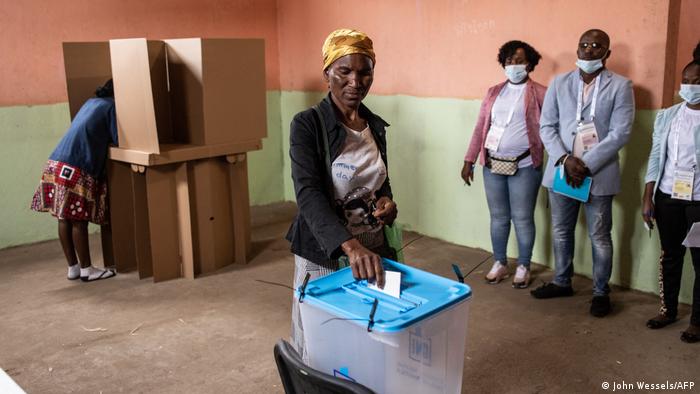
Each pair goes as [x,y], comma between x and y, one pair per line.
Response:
[560,186]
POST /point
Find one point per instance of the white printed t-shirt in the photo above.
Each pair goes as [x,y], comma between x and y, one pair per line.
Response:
[358,172]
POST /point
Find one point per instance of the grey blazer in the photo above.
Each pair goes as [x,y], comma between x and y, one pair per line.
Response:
[613,120]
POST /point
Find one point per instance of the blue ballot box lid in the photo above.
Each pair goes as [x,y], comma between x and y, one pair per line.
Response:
[422,295]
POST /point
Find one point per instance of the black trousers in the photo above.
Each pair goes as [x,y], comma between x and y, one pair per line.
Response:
[674,218]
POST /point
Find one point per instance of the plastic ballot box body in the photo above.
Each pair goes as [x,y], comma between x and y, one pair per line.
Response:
[413,344]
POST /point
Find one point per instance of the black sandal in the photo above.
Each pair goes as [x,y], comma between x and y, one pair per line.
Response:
[660,321]
[106,274]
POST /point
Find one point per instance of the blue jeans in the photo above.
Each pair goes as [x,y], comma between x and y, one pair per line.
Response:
[513,198]
[599,220]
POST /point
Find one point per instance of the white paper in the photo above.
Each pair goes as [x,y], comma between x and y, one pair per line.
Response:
[392,284]
[8,386]
[692,240]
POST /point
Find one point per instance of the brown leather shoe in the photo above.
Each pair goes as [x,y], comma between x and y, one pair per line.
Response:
[660,321]
[691,334]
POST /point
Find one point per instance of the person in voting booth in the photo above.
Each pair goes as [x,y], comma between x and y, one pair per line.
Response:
[672,197]
[507,137]
[339,170]
[586,119]
[73,187]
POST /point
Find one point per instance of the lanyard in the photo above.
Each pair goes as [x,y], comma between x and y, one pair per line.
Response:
[512,108]
[579,100]
[678,146]
[676,130]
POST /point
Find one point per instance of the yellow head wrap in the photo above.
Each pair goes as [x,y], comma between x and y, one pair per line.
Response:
[344,42]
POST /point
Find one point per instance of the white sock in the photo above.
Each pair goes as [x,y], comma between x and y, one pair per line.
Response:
[73,271]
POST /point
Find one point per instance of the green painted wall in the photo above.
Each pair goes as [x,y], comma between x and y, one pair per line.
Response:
[27,137]
[427,140]
[264,166]
[28,134]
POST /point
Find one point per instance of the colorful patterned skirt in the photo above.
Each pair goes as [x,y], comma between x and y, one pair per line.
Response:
[71,194]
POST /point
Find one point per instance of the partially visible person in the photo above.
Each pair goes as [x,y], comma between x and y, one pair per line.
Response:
[507,134]
[339,170]
[672,198]
[73,186]
[586,119]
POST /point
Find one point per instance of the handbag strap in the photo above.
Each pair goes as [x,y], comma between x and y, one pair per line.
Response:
[516,160]
[523,155]
[326,148]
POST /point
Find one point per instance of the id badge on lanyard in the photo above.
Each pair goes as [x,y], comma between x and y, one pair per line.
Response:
[495,134]
[683,178]
[493,138]
[683,184]
[586,133]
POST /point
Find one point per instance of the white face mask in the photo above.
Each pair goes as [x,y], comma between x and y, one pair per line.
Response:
[690,93]
[516,72]
[589,66]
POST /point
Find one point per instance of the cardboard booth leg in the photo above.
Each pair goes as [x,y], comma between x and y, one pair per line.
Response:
[121,210]
[240,206]
[141,231]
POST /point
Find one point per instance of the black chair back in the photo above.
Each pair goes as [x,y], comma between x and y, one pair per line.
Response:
[298,378]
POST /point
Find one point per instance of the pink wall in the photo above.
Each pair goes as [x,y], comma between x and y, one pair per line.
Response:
[424,48]
[688,36]
[33,30]
[448,49]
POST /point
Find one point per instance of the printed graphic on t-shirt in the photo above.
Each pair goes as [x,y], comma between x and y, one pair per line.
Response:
[358,172]
[357,210]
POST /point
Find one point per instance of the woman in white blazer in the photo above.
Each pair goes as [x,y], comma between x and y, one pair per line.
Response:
[672,197]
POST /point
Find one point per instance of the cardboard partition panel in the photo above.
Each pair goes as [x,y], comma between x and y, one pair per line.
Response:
[185,71]
[158,64]
[87,67]
[217,90]
[234,90]
[132,60]
[212,226]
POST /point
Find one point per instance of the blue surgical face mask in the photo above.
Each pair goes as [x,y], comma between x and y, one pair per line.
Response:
[690,93]
[590,66]
[516,72]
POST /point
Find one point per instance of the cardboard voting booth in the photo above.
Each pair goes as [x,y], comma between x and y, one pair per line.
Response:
[188,110]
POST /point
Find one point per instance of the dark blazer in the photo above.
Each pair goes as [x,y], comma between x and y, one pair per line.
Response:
[317,231]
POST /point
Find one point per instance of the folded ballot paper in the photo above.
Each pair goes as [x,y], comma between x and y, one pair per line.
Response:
[392,284]
[560,186]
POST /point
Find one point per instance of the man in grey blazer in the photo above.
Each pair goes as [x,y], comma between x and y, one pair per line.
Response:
[586,119]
